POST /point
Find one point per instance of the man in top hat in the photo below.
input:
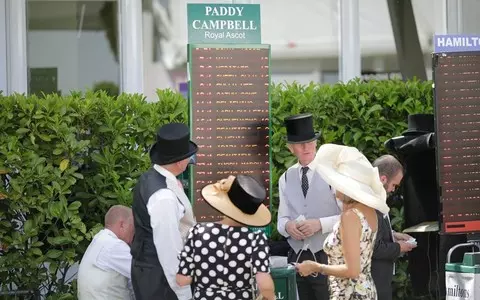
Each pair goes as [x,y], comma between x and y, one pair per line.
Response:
[162,216]
[308,209]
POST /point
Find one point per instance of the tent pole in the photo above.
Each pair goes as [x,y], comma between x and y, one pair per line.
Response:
[350,57]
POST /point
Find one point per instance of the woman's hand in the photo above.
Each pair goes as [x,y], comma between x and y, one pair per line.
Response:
[183,280]
[308,267]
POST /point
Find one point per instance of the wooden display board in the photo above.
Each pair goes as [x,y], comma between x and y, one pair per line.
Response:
[457,121]
[229,88]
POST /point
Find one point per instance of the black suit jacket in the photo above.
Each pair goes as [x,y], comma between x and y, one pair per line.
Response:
[384,255]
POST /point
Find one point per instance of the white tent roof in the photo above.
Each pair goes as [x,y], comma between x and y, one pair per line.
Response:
[312,26]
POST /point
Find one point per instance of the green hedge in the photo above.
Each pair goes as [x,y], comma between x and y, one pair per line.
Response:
[363,115]
[65,160]
[68,160]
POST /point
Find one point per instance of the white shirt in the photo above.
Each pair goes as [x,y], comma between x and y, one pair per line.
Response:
[386,216]
[310,172]
[327,223]
[115,256]
[165,213]
[112,254]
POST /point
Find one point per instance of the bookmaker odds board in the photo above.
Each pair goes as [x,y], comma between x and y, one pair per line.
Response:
[457,117]
[229,116]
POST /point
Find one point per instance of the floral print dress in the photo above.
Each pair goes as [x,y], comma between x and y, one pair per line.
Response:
[345,288]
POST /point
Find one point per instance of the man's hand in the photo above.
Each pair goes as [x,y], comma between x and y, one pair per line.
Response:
[292,230]
[401,236]
[309,227]
[405,247]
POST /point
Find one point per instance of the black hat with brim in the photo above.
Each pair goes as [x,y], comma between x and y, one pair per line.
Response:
[300,129]
[173,144]
[240,198]
[161,159]
[420,124]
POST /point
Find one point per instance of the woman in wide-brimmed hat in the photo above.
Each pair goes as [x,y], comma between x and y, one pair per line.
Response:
[350,246]
[221,260]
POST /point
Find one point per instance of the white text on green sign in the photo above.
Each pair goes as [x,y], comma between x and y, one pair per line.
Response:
[224,23]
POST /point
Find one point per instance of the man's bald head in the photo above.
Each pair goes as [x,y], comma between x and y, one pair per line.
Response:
[119,219]
[116,214]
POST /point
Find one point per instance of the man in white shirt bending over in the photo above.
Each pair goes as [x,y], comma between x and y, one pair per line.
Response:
[104,271]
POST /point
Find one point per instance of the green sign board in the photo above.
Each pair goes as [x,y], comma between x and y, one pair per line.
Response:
[285,283]
[224,23]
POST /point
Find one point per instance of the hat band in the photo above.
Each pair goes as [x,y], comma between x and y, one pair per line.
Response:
[238,197]
[174,150]
[301,137]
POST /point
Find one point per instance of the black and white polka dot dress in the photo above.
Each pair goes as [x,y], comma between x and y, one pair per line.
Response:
[219,257]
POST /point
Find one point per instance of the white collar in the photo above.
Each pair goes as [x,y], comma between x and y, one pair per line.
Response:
[164,172]
[310,166]
[110,233]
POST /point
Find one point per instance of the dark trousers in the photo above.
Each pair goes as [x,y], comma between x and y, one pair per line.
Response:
[384,294]
[149,282]
[311,288]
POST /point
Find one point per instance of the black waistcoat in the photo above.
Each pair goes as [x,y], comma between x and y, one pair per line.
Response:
[143,247]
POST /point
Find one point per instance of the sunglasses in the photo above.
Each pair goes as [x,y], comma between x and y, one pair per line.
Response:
[193,160]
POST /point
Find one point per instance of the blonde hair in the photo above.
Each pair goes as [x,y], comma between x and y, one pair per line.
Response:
[346,199]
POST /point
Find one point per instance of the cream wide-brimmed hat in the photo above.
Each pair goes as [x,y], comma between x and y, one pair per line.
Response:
[240,198]
[348,171]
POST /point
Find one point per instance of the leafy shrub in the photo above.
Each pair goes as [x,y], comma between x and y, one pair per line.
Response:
[364,115]
[65,160]
[111,88]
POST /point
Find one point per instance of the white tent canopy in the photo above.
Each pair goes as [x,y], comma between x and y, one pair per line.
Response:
[310,28]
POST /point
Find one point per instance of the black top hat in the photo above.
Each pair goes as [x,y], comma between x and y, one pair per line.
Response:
[420,124]
[239,198]
[300,129]
[246,194]
[173,144]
